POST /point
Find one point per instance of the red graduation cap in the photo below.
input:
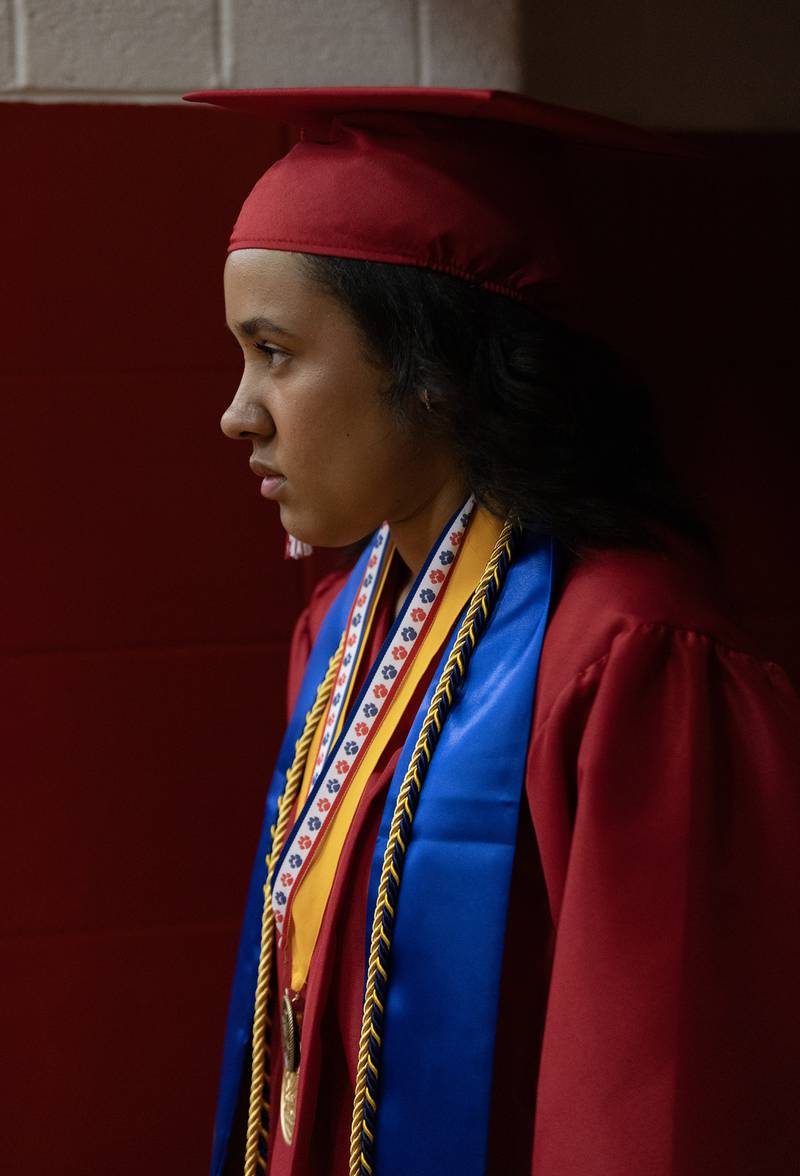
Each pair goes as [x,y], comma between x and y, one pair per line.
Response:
[468,182]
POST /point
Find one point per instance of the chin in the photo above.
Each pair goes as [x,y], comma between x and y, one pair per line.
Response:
[324,530]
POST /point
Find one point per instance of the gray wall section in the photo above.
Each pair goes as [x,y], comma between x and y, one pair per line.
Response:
[706,65]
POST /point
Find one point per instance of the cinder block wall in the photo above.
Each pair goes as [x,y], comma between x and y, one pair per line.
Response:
[707,65]
[152,50]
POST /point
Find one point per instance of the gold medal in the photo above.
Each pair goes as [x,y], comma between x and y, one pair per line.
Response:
[288,1103]
[291,1065]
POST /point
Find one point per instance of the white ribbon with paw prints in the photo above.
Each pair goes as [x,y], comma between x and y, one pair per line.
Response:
[335,764]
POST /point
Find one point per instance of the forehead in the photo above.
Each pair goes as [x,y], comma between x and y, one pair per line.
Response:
[273,284]
[265,273]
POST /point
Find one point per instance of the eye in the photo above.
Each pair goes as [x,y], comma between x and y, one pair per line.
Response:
[273,354]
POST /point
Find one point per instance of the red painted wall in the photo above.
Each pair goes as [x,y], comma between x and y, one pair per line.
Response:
[146,612]
[147,607]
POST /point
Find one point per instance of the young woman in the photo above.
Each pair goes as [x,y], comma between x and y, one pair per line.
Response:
[525,899]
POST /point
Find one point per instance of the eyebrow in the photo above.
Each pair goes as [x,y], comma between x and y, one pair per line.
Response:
[252,326]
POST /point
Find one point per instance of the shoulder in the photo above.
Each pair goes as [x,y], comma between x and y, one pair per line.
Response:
[307,627]
[642,609]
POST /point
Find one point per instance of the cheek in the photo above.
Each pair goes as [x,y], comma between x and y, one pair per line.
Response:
[343,418]
[349,462]
[351,456]
[389,471]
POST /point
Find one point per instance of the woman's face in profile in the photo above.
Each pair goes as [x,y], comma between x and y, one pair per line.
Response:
[313,406]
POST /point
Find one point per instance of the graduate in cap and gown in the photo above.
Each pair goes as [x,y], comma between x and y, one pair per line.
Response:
[526,896]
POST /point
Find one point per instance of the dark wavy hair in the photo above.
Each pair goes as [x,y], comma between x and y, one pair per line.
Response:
[550,426]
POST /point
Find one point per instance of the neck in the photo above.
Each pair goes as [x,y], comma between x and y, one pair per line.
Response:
[415,534]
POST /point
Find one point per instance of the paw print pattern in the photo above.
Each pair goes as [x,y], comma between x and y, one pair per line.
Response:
[409,633]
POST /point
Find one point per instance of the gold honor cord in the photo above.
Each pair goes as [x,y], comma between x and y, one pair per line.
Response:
[365,1100]
[377,976]
[258,1116]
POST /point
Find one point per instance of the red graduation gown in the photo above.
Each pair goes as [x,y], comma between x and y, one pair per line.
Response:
[648,1014]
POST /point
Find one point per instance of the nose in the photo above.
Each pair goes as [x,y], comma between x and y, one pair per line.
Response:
[245,417]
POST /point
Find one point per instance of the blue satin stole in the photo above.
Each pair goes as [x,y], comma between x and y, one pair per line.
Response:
[441,1013]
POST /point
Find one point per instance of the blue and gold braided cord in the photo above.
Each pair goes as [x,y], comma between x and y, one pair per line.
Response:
[365,1104]
[258,1117]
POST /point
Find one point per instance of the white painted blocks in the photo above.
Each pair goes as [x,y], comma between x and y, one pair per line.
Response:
[8,73]
[471,43]
[324,43]
[126,45]
[703,64]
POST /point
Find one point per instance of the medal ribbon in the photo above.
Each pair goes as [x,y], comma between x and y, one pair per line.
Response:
[346,752]
[310,900]
[359,623]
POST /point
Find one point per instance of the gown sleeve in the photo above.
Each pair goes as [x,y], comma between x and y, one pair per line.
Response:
[663,787]
[299,651]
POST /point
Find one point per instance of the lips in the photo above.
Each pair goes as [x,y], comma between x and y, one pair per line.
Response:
[271,480]
[264,471]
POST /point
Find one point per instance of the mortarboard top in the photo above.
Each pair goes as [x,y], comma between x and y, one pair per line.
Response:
[467,182]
